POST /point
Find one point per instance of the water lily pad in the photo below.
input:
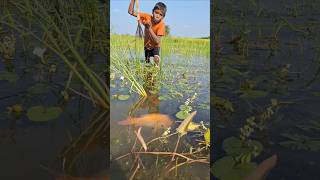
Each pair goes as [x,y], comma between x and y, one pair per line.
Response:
[234,146]
[162,97]
[182,114]
[226,169]
[185,108]
[42,113]
[39,88]
[298,141]
[9,76]
[253,94]
[204,106]
[123,97]
[316,93]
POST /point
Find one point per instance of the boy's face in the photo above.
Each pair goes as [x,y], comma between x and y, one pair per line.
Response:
[157,15]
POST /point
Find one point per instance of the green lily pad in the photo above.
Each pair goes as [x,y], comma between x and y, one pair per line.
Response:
[182,114]
[39,88]
[123,97]
[9,76]
[163,97]
[42,113]
[316,93]
[300,142]
[254,94]
[234,146]
[185,108]
[204,106]
[227,169]
[293,145]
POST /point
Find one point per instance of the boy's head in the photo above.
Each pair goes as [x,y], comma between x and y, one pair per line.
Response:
[159,11]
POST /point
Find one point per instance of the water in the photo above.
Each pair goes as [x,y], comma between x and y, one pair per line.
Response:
[290,73]
[123,137]
[29,148]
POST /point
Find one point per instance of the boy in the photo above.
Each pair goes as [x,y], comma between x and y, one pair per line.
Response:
[154,30]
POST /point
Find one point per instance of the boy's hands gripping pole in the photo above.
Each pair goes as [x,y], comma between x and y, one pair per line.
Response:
[139,32]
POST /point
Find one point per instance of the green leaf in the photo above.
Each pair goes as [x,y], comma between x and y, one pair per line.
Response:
[42,113]
[123,97]
[253,94]
[183,127]
[207,136]
[182,114]
[163,98]
[39,88]
[9,76]
[234,146]
[316,93]
[185,108]
[226,169]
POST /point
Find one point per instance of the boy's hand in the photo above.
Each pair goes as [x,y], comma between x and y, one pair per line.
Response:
[147,24]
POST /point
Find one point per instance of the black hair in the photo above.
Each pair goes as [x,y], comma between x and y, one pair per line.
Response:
[161,6]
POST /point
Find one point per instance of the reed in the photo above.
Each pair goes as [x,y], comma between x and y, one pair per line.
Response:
[58,35]
[187,47]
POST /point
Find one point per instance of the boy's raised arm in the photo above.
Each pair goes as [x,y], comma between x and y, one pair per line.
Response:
[130,9]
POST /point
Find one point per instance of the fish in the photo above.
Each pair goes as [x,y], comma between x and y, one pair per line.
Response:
[154,120]
[263,169]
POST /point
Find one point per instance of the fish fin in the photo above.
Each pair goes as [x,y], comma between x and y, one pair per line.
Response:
[127,121]
[263,169]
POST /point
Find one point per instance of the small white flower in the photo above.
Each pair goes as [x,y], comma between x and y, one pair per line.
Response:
[122,78]
[39,52]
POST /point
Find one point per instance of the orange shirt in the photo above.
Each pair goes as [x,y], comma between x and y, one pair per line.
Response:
[158,29]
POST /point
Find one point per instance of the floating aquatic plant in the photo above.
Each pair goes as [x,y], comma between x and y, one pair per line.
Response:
[43,113]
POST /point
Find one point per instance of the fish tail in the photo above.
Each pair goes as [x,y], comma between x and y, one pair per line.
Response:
[127,121]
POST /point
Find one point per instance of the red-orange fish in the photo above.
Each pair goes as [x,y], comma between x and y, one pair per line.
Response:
[154,120]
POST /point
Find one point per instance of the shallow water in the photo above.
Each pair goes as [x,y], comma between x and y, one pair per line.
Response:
[123,137]
[28,147]
[297,47]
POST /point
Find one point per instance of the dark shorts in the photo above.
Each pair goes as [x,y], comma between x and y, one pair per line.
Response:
[152,52]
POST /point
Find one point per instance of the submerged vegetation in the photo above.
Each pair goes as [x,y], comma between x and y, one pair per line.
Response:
[265,72]
[54,65]
[63,33]
[157,143]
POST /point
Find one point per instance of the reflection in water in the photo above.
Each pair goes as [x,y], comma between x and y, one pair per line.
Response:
[143,150]
[151,102]
[82,156]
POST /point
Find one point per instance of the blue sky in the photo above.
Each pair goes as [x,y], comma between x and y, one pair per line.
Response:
[186,18]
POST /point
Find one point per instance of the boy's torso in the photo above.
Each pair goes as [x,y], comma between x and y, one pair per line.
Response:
[158,29]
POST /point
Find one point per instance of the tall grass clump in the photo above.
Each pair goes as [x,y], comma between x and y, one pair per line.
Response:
[126,62]
[169,45]
[72,30]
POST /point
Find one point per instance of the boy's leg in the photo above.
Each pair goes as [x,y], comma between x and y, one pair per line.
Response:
[156,60]
[147,55]
[148,59]
[156,56]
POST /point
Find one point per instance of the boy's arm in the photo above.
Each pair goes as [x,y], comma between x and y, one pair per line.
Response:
[156,39]
[131,9]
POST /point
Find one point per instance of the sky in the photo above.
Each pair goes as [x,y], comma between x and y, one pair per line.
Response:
[186,18]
